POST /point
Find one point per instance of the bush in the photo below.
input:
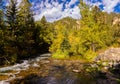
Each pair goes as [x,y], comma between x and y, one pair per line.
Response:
[60,54]
[90,55]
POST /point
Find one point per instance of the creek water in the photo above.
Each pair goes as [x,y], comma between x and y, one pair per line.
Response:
[56,75]
[59,77]
[21,66]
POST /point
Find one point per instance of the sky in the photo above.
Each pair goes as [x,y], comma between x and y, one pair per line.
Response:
[57,9]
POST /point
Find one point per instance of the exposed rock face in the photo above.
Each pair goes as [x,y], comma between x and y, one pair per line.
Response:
[112,54]
[116,20]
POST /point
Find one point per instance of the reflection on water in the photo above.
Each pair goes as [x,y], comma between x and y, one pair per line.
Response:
[60,72]
[58,75]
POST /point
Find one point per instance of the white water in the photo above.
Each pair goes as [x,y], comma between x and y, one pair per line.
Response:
[22,66]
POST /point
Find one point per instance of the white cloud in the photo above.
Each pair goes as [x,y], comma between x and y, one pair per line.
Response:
[8,2]
[97,4]
[54,11]
[50,11]
[74,13]
[18,2]
[90,2]
[72,2]
[109,5]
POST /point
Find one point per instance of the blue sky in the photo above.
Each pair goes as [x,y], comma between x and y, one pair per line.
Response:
[56,9]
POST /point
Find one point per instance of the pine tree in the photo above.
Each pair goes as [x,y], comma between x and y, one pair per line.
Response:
[45,30]
[27,28]
[11,14]
[9,32]
[11,18]
[25,12]
[45,34]
[1,14]
[1,19]
[1,32]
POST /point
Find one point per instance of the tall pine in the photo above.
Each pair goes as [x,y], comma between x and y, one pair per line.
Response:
[27,28]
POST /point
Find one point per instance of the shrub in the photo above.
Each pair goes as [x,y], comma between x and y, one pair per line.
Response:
[90,55]
[60,54]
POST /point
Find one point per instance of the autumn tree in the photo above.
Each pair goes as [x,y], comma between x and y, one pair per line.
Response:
[115,30]
[94,33]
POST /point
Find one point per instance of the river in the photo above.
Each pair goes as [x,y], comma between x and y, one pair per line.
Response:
[44,70]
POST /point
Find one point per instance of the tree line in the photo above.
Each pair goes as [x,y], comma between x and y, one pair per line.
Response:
[22,37]
[19,34]
[86,37]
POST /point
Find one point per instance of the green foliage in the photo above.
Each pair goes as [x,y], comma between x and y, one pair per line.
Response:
[21,36]
[116,34]
[59,38]
[96,33]
[90,55]
[60,54]
[45,32]
[19,33]
[1,19]
[11,14]
[25,13]
[92,34]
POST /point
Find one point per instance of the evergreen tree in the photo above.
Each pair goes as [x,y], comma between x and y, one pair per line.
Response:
[44,28]
[11,14]
[9,32]
[1,19]
[1,15]
[1,32]
[11,19]
[27,29]
[46,31]
[25,12]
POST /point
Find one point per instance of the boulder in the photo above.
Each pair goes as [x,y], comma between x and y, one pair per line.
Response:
[112,54]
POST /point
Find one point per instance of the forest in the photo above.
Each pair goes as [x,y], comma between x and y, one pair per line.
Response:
[22,37]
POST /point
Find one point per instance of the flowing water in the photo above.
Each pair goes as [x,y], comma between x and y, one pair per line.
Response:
[57,73]
[20,66]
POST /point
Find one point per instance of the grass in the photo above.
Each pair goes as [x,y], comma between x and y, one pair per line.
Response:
[74,57]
